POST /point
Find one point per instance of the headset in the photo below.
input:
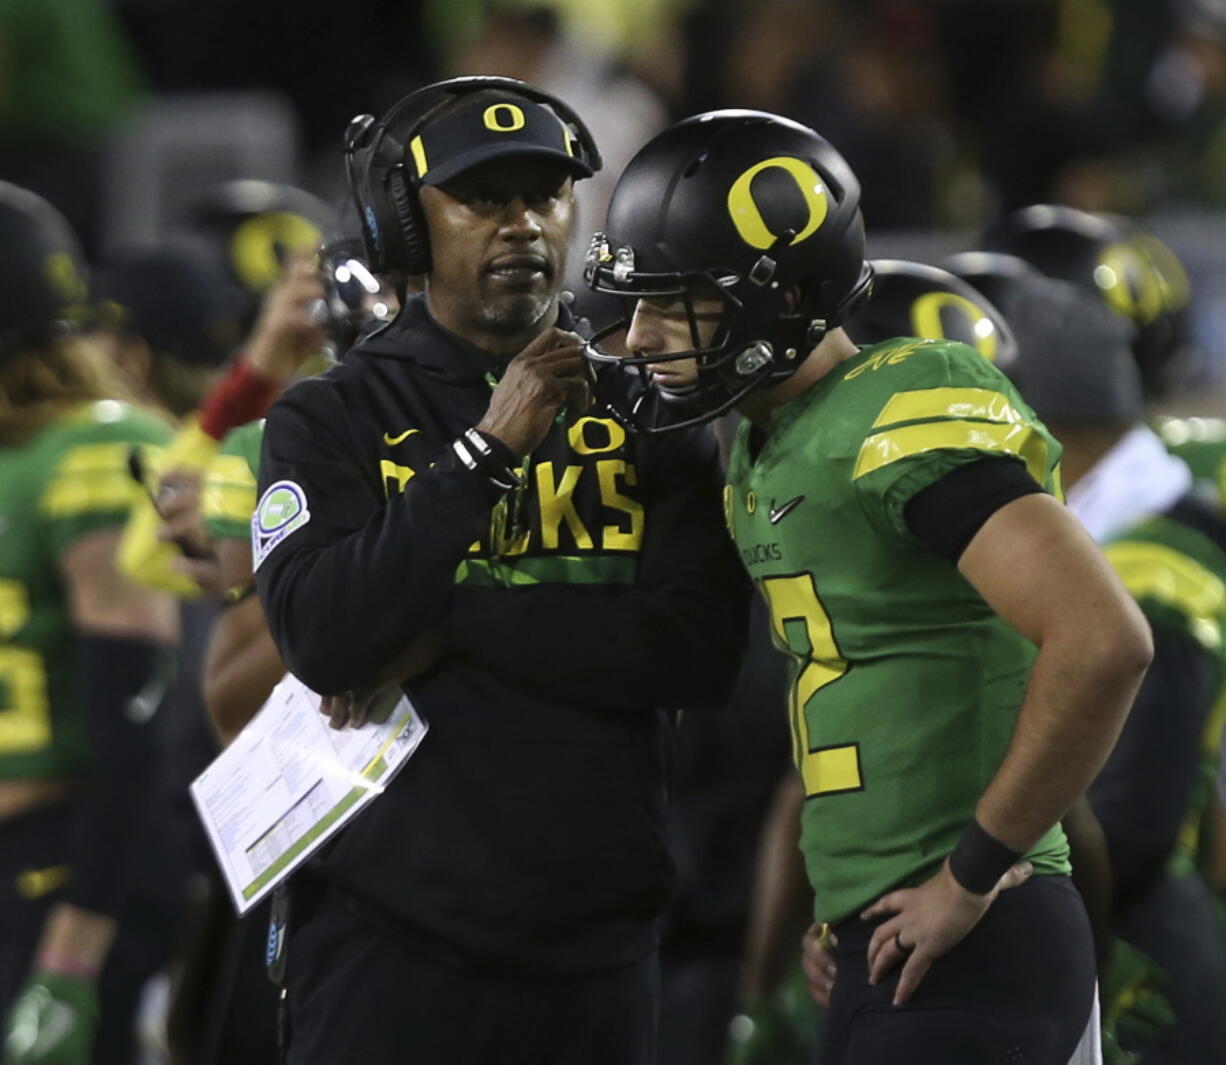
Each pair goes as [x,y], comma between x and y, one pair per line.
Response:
[393,230]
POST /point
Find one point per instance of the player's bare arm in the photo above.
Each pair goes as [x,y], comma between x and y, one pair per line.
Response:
[1038,569]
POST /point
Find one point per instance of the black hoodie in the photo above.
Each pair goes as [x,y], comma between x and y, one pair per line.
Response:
[527,833]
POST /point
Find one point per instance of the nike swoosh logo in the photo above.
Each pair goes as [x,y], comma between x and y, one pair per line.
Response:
[392,441]
[777,514]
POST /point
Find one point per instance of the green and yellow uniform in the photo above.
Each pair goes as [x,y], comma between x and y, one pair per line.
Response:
[71,479]
[906,683]
[230,483]
[1201,444]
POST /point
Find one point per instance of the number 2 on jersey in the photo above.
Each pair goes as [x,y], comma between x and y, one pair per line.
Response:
[25,721]
[802,629]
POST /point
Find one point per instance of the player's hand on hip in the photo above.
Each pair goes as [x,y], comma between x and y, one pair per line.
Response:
[817,960]
[549,374]
[925,922]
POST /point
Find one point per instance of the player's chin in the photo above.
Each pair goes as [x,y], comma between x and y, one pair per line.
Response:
[674,388]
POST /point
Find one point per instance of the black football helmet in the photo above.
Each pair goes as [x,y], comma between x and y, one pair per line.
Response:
[917,300]
[254,226]
[1138,276]
[1074,363]
[42,271]
[744,207]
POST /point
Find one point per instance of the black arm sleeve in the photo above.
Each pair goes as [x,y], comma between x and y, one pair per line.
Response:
[674,638]
[1142,793]
[119,676]
[946,515]
[349,589]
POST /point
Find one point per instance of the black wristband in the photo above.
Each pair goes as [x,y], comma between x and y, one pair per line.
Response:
[979,860]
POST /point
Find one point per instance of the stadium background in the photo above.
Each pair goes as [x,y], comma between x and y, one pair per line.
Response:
[122,111]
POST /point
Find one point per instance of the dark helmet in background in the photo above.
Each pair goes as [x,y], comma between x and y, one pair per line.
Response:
[43,285]
[917,300]
[745,208]
[1073,362]
[254,226]
[1135,274]
[175,297]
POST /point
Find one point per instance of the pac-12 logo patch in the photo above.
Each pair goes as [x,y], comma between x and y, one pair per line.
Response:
[281,510]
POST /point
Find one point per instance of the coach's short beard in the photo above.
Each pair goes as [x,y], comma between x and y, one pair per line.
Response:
[517,313]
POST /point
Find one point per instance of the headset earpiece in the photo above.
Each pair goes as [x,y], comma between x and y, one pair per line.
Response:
[415,239]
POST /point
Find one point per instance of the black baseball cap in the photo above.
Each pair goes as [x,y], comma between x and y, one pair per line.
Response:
[491,125]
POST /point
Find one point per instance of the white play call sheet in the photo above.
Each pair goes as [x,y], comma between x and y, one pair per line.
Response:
[288,783]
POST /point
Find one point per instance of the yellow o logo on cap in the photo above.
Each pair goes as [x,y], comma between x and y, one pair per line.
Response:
[516,120]
[926,320]
[746,215]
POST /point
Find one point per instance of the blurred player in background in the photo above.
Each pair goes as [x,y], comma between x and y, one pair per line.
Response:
[82,649]
[1167,541]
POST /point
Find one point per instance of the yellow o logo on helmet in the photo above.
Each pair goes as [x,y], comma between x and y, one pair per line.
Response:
[1172,278]
[516,120]
[746,215]
[61,273]
[1129,283]
[926,320]
[253,247]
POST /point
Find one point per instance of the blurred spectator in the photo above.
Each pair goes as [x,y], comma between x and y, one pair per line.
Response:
[1187,93]
[67,80]
[869,81]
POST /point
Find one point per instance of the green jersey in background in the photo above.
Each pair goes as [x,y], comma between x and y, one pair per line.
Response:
[69,480]
[230,483]
[906,684]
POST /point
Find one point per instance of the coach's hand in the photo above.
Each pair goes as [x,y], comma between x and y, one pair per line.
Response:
[548,374]
[927,922]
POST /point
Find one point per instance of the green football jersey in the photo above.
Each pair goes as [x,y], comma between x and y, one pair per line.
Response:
[230,483]
[69,480]
[1201,444]
[906,685]
[1177,574]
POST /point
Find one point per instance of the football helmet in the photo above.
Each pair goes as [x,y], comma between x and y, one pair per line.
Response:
[42,270]
[917,300]
[1073,363]
[745,208]
[1137,276]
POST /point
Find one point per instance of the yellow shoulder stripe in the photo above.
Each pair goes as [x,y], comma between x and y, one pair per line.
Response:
[1022,440]
[89,478]
[981,403]
[1154,571]
[229,490]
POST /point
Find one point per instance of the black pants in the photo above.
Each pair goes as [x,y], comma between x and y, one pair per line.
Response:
[1016,991]
[357,995]
[1174,922]
[148,923]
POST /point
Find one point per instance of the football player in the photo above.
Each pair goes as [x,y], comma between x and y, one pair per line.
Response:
[1167,541]
[81,648]
[895,506]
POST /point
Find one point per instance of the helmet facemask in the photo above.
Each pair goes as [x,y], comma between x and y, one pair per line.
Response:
[763,332]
